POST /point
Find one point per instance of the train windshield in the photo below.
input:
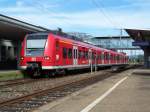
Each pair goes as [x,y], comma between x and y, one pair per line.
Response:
[36,41]
[35,45]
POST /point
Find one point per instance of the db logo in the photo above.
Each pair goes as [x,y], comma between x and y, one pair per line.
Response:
[33,59]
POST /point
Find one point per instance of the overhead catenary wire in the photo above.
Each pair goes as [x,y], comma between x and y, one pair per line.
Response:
[100,8]
[50,12]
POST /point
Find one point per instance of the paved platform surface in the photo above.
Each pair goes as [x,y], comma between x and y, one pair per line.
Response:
[126,92]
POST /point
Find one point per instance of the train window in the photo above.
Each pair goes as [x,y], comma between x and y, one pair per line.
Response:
[97,56]
[90,55]
[107,56]
[86,54]
[82,54]
[64,52]
[115,57]
[118,58]
[36,41]
[70,53]
[102,56]
[57,45]
[79,54]
[93,56]
[110,57]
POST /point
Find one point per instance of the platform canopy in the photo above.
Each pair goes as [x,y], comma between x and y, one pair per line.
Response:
[14,29]
[140,36]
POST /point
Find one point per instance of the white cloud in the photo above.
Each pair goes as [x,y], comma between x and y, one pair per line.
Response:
[85,19]
[19,3]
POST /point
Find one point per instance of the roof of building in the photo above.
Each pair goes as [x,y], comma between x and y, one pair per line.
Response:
[112,37]
[15,29]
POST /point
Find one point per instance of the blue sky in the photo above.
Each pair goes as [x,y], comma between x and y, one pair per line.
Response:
[95,17]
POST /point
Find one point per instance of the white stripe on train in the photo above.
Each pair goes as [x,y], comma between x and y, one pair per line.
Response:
[71,66]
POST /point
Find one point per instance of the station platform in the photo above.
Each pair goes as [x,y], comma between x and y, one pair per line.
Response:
[128,91]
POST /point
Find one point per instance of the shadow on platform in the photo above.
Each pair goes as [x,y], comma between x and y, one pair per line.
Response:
[11,65]
[144,72]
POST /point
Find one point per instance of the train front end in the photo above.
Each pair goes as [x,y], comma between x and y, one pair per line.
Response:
[35,53]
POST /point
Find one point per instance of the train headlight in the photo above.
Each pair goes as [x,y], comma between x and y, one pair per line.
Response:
[47,58]
[57,57]
[22,58]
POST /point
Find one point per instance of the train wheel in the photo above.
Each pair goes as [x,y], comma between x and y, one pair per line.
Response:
[36,73]
[51,74]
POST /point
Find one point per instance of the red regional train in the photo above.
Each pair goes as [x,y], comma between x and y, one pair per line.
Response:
[52,52]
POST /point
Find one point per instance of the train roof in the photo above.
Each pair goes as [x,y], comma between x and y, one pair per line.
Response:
[75,40]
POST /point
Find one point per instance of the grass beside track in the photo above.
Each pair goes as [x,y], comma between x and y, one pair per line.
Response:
[10,75]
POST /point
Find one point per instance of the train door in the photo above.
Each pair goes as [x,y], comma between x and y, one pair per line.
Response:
[109,58]
[102,58]
[75,55]
[96,60]
[90,56]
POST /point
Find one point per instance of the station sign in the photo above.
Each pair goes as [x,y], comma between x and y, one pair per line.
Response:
[140,43]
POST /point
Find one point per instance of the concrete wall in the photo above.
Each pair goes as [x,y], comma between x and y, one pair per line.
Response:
[8,54]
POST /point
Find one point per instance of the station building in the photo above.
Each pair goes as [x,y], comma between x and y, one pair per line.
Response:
[114,42]
[12,32]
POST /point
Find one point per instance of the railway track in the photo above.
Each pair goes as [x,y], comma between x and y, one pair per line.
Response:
[14,82]
[11,83]
[41,97]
